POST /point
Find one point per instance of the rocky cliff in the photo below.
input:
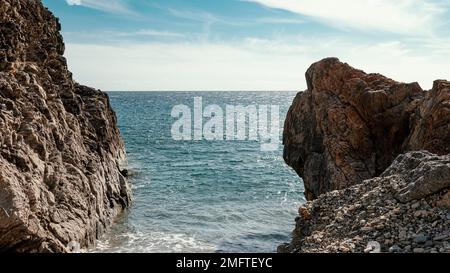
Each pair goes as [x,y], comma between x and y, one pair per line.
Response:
[61,154]
[349,126]
[374,157]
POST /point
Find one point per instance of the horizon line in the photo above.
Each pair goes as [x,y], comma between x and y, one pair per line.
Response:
[202,90]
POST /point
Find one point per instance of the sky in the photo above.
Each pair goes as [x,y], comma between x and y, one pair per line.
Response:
[237,45]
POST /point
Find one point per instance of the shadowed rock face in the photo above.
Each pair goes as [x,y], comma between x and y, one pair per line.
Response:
[431,121]
[61,154]
[349,126]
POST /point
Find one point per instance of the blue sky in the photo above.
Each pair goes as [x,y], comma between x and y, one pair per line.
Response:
[249,45]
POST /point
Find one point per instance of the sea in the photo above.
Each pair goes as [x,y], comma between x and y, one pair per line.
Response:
[199,195]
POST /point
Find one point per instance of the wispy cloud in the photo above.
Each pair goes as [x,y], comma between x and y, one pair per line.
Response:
[250,64]
[203,16]
[201,51]
[207,19]
[111,6]
[402,16]
[277,20]
[124,37]
[151,33]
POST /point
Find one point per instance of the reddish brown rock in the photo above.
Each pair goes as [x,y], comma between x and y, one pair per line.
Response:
[61,153]
[431,121]
[444,202]
[349,126]
[304,213]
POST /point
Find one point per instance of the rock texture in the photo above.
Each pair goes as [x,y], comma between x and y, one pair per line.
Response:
[406,209]
[61,154]
[342,136]
[430,124]
[349,126]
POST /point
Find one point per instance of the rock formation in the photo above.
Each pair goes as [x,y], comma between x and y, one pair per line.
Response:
[396,211]
[430,125]
[61,154]
[349,126]
[342,136]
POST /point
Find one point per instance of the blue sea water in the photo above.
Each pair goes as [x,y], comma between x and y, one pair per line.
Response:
[201,196]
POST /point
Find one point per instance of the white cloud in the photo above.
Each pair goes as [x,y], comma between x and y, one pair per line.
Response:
[107,36]
[180,66]
[120,63]
[275,20]
[111,6]
[74,2]
[400,16]
[253,64]
[151,33]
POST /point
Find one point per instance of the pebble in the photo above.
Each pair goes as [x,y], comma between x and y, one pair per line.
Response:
[402,234]
[396,211]
[394,249]
[366,228]
[420,239]
[441,237]
[419,250]
[420,213]
[415,205]
[373,247]
[379,226]
[447,245]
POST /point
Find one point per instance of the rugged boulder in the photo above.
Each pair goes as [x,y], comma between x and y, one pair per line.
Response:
[430,125]
[342,136]
[349,126]
[406,209]
[61,154]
